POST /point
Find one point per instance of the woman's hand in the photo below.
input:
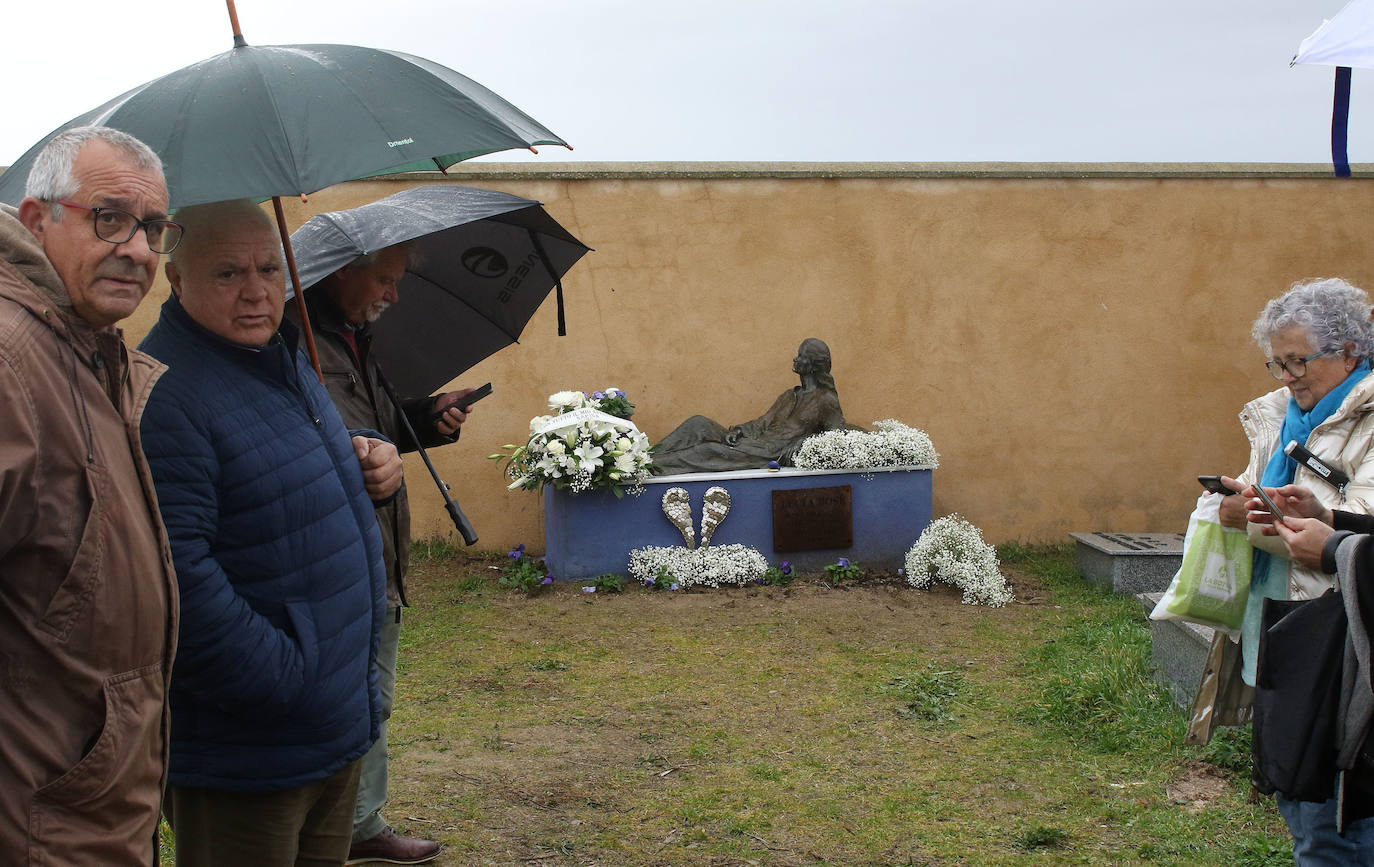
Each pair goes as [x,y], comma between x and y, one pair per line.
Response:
[1293,501]
[1305,538]
[1233,507]
[1300,501]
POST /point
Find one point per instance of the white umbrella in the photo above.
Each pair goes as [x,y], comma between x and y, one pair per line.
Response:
[1344,41]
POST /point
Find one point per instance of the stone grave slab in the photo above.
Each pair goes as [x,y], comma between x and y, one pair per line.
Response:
[1178,651]
[1129,562]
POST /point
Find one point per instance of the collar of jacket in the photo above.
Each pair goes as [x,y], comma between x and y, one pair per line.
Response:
[49,302]
[326,315]
[1262,417]
[21,249]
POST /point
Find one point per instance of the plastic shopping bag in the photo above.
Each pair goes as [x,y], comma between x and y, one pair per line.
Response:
[1213,583]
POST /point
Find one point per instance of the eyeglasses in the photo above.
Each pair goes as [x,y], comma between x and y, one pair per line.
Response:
[118,227]
[1297,367]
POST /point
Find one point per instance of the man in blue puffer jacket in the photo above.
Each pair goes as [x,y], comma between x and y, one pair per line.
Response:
[269,510]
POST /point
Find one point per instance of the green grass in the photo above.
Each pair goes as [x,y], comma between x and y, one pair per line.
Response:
[801,725]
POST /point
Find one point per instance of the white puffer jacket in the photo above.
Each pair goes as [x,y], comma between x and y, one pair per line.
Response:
[1345,440]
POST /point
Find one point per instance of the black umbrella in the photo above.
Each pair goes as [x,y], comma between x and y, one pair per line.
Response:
[483,262]
[266,121]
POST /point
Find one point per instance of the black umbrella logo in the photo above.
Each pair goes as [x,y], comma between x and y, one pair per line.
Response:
[485,262]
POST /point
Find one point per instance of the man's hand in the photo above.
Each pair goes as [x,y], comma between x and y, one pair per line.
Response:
[383,471]
[451,418]
[1305,538]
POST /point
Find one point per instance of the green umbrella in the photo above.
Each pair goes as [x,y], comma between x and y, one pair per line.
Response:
[259,122]
[263,121]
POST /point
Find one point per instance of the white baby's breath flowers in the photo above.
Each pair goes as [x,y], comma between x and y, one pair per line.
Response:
[952,550]
[716,566]
[890,444]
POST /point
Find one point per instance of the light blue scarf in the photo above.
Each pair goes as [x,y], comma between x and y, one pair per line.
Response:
[1266,582]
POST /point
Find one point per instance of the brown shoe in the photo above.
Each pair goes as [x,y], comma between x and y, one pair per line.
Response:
[389,847]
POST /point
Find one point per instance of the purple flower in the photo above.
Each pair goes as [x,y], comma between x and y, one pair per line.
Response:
[599,395]
[758,580]
[648,582]
[548,579]
[588,589]
[843,563]
[673,586]
[901,572]
[517,552]
[786,568]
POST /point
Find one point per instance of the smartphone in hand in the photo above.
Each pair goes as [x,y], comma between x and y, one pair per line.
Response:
[1269,504]
[464,402]
[1214,485]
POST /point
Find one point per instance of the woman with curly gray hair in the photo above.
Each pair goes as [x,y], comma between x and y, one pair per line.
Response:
[1319,339]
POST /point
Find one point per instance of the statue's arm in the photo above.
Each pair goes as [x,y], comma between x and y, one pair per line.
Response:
[777,414]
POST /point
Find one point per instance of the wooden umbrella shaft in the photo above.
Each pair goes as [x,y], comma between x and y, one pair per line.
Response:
[239,41]
[296,285]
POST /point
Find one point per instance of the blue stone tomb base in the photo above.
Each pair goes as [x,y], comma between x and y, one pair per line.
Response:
[592,533]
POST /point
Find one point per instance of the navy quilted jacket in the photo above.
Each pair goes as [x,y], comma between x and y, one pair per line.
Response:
[278,560]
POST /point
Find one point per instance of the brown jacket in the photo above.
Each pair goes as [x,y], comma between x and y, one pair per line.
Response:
[87,592]
[353,386]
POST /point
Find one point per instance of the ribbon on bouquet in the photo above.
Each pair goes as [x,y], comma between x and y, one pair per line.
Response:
[580,416]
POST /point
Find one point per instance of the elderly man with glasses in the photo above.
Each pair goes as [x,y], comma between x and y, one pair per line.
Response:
[87,594]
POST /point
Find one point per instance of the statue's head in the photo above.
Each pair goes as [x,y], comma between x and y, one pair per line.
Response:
[812,357]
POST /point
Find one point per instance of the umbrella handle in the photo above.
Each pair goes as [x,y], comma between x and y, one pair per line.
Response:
[460,520]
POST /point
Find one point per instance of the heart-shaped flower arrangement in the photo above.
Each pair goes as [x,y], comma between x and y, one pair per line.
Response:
[676,568]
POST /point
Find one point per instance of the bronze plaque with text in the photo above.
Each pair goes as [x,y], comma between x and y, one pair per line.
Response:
[812,519]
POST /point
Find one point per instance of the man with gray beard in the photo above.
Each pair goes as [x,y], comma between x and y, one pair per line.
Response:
[342,308]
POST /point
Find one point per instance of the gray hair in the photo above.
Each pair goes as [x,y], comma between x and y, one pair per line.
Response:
[367,261]
[50,177]
[1331,310]
[200,222]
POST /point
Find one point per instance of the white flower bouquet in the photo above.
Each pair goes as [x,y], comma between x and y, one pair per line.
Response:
[952,550]
[586,442]
[712,566]
[890,444]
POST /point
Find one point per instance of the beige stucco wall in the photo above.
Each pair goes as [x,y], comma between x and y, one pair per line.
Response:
[1075,339]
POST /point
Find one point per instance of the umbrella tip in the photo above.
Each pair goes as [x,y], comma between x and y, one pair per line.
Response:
[303,198]
[533,150]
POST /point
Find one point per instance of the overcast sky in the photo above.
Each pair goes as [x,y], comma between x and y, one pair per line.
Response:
[920,80]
